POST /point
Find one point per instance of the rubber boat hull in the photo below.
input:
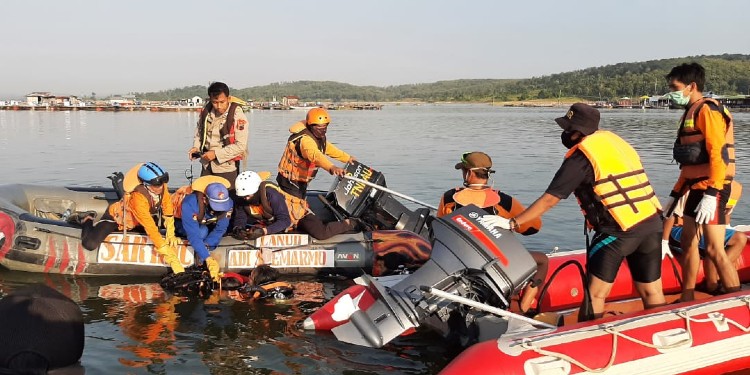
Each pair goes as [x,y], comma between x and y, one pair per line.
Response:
[35,239]
[708,336]
[565,291]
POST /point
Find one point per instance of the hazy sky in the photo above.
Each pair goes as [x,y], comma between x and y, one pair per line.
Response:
[108,47]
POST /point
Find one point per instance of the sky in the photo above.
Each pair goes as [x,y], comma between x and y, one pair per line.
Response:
[77,47]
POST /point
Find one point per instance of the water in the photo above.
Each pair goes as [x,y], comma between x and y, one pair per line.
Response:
[415,147]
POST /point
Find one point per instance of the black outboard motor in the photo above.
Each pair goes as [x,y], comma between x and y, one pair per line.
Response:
[469,259]
[375,207]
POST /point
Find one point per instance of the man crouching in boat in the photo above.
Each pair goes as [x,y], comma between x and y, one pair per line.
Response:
[143,205]
[204,214]
[605,174]
[275,211]
[476,168]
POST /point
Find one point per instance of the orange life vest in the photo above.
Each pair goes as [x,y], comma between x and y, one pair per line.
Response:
[487,199]
[293,166]
[273,289]
[226,132]
[620,183]
[122,214]
[297,207]
[177,198]
[690,140]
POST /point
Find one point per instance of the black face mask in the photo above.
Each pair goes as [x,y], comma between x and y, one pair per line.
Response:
[566,136]
[318,132]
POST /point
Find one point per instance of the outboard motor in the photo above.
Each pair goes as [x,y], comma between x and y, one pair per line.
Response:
[375,207]
[469,259]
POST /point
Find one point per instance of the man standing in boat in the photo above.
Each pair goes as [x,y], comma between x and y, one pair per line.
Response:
[221,134]
[705,151]
[476,168]
[605,174]
[307,149]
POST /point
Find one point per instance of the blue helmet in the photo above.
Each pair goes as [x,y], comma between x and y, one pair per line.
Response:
[152,174]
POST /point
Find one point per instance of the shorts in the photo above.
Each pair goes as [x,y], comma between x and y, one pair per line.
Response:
[643,254]
[676,234]
[695,196]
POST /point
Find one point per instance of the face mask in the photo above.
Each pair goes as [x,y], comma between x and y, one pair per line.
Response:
[318,132]
[678,98]
[567,141]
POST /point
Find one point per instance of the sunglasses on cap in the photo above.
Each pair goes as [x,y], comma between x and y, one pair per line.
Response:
[158,180]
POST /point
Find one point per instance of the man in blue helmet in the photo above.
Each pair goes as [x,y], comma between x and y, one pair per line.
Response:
[205,214]
[146,202]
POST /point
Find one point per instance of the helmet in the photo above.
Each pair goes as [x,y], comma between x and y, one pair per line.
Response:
[152,174]
[247,183]
[218,197]
[317,116]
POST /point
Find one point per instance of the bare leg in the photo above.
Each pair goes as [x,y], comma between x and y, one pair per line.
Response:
[599,290]
[714,239]
[734,249]
[690,258]
[651,294]
[529,292]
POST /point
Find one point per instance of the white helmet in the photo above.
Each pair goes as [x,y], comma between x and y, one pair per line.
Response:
[247,183]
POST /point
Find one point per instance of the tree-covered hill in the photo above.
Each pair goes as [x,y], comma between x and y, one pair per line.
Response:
[726,75]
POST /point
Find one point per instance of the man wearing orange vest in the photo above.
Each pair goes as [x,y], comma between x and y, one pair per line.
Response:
[476,168]
[221,134]
[605,174]
[148,198]
[705,151]
[307,149]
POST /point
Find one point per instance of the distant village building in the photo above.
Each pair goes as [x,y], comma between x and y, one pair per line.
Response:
[121,100]
[196,101]
[46,99]
[290,101]
[625,102]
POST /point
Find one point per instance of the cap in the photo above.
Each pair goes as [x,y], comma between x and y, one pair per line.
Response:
[581,117]
[42,329]
[474,160]
[218,197]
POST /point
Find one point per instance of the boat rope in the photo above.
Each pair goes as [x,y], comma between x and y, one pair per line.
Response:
[718,317]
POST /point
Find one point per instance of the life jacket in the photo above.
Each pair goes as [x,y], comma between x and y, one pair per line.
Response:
[122,214]
[297,207]
[272,289]
[226,132]
[293,166]
[487,199]
[690,146]
[179,196]
[620,183]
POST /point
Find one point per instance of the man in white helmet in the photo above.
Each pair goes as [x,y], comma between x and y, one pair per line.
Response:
[274,211]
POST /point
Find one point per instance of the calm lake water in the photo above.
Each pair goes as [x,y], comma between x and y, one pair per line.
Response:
[131,327]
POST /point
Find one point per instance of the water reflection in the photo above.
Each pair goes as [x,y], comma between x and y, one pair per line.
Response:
[132,327]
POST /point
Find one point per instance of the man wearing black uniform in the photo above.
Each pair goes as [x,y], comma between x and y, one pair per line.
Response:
[605,174]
